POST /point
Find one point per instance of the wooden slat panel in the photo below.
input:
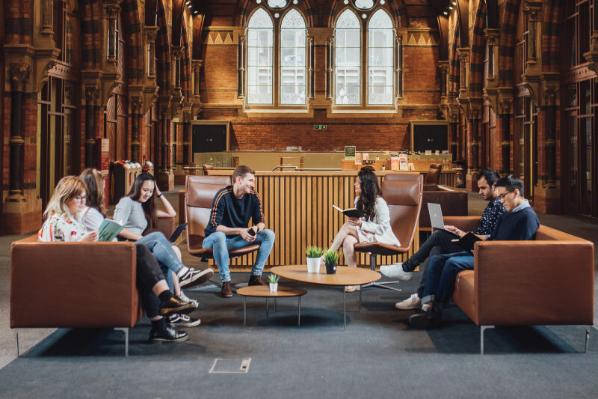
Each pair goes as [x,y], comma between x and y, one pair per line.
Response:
[298,208]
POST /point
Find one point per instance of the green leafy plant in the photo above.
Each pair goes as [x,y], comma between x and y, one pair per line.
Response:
[314,252]
[330,258]
[273,279]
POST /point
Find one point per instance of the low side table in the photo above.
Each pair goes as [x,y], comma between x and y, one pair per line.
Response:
[263,291]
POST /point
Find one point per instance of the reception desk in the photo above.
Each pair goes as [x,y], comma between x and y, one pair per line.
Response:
[298,208]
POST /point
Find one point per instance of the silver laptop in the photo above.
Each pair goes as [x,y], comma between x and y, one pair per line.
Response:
[436,218]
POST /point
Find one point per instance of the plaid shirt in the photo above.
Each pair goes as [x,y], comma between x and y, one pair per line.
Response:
[490,217]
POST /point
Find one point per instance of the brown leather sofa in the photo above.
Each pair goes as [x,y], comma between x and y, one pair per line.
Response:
[75,285]
[547,281]
[452,201]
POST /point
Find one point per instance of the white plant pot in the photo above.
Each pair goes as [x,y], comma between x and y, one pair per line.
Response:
[273,287]
[313,265]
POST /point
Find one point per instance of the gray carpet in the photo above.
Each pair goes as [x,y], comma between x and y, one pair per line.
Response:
[375,356]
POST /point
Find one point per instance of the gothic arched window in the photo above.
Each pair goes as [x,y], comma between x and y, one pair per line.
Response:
[347,63]
[292,59]
[260,43]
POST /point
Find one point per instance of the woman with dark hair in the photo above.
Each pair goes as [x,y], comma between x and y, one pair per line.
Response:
[137,213]
[374,226]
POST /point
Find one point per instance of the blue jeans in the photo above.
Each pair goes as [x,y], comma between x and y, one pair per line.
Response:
[165,255]
[439,279]
[221,244]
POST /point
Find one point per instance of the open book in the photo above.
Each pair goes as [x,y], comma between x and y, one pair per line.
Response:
[108,230]
[349,212]
[467,241]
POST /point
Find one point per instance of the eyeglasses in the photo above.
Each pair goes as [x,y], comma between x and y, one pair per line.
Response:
[503,195]
[80,197]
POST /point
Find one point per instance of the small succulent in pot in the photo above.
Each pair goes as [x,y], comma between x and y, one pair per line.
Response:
[273,282]
[331,260]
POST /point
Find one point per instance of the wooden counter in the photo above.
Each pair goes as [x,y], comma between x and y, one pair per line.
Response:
[298,208]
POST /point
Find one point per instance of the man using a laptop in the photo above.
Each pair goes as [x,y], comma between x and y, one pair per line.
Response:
[519,222]
[442,240]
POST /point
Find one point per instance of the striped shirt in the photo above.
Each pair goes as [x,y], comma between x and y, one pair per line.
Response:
[229,211]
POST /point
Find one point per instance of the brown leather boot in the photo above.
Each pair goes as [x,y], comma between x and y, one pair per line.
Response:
[256,280]
[226,290]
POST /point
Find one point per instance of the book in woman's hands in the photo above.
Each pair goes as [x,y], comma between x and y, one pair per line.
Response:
[467,241]
[349,212]
[108,230]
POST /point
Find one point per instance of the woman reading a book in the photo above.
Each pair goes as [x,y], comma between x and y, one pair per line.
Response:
[372,226]
[64,224]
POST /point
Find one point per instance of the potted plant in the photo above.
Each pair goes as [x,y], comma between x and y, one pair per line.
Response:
[314,254]
[330,260]
[273,282]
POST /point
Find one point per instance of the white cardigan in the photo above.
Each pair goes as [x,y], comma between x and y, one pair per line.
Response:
[378,229]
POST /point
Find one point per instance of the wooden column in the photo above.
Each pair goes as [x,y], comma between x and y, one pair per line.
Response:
[135,124]
[506,113]
[19,73]
[91,117]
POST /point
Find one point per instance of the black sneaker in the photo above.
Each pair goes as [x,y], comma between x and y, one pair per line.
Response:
[183,320]
[167,334]
[176,305]
[194,277]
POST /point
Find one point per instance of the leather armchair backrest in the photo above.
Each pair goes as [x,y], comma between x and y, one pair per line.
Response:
[403,194]
[200,192]
[433,175]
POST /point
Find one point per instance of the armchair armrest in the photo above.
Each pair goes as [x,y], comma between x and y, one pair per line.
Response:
[73,284]
[465,223]
[534,282]
[166,225]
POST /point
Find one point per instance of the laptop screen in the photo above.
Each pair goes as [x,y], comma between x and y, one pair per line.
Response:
[436,219]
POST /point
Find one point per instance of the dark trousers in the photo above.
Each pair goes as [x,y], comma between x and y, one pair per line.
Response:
[441,239]
[148,274]
[440,275]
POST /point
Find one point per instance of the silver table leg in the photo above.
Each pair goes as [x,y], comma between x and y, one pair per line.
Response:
[345,309]
[587,340]
[299,311]
[482,330]
[125,330]
[267,309]
[244,311]
[17,337]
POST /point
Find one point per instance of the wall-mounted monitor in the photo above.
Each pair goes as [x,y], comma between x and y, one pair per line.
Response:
[429,136]
[210,136]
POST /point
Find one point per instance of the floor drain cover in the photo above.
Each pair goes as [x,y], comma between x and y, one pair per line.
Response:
[230,366]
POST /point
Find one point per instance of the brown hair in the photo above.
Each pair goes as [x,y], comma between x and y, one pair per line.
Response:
[241,171]
[95,188]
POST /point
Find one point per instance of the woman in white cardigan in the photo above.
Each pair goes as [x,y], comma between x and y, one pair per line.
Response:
[374,226]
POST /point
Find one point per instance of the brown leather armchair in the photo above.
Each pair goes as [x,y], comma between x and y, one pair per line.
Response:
[403,194]
[73,285]
[199,194]
[546,281]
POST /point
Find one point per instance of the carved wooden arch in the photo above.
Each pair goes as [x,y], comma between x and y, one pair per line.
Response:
[454,65]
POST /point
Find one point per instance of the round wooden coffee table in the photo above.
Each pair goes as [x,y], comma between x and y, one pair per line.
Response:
[344,276]
[263,291]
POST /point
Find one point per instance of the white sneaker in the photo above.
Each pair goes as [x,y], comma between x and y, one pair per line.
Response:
[396,271]
[410,303]
[185,298]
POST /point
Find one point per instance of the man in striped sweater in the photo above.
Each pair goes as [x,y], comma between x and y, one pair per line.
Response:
[228,228]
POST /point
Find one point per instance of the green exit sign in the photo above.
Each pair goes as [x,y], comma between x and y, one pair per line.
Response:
[320,127]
